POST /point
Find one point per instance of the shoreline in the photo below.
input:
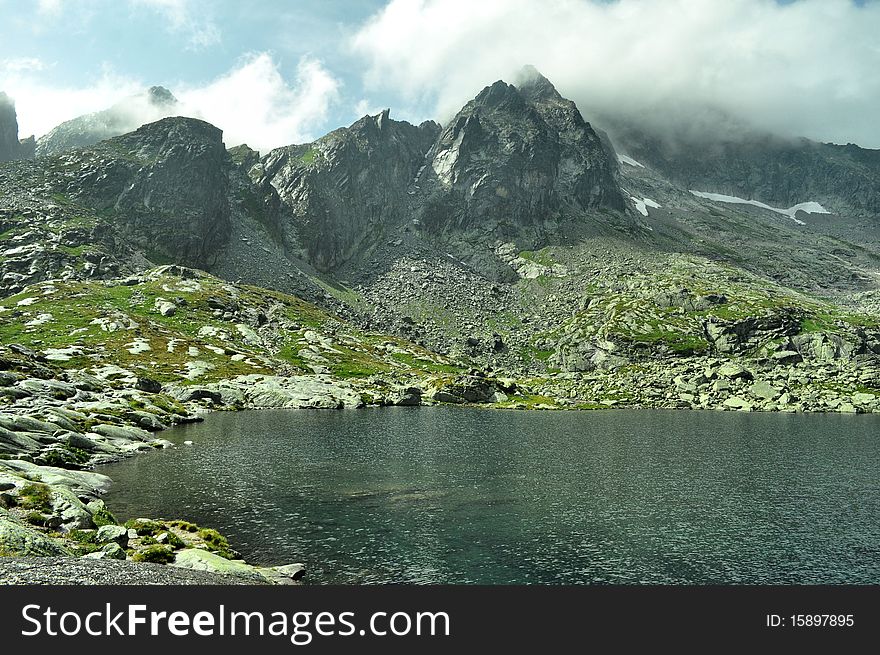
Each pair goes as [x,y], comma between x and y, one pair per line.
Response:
[70,423]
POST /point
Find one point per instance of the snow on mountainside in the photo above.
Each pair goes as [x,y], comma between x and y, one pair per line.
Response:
[791,212]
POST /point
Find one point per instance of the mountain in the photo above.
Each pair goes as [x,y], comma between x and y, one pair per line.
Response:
[348,188]
[594,267]
[734,158]
[11,148]
[125,116]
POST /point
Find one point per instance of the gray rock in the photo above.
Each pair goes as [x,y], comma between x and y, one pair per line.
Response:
[148,385]
[285,574]
[764,390]
[202,560]
[733,371]
[114,551]
[113,533]
[19,539]
[735,402]
[53,388]
[118,432]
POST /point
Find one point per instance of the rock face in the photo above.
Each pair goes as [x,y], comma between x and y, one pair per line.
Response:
[511,160]
[11,148]
[514,157]
[528,146]
[742,161]
[167,182]
[125,116]
[345,189]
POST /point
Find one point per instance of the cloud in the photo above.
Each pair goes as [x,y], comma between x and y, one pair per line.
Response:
[252,103]
[807,67]
[21,64]
[50,8]
[41,106]
[255,104]
[185,17]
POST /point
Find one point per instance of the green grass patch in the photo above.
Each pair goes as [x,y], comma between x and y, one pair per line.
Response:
[157,554]
[35,496]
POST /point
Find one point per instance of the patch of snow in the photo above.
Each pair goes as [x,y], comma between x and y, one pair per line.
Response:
[643,204]
[24,302]
[215,349]
[623,159]
[806,207]
[192,351]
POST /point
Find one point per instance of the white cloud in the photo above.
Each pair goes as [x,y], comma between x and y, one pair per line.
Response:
[50,7]
[41,106]
[255,104]
[808,67]
[185,17]
[252,103]
[21,64]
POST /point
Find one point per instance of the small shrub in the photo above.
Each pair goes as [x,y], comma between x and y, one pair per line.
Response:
[156,554]
[102,516]
[35,518]
[186,526]
[83,536]
[145,527]
[214,539]
[35,496]
[174,541]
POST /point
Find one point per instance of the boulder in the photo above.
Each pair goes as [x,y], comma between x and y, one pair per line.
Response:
[164,307]
[148,385]
[203,560]
[764,390]
[285,574]
[124,433]
[18,539]
[735,402]
[113,534]
[733,371]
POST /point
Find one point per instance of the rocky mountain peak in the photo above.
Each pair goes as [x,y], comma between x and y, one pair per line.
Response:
[534,86]
[167,134]
[159,95]
[11,148]
[519,157]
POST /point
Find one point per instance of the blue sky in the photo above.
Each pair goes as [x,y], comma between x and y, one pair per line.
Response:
[273,72]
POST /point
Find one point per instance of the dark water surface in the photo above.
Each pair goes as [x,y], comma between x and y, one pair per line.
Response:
[455,495]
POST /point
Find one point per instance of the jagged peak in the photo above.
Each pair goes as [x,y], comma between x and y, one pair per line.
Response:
[159,95]
[534,86]
[498,94]
[179,129]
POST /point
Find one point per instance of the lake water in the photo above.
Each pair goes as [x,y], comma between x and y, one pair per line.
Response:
[458,495]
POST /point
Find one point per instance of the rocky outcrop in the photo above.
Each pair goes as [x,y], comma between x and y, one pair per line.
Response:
[11,148]
[737,159]
[125,116]
[347,189]
[516,157]
[166,184]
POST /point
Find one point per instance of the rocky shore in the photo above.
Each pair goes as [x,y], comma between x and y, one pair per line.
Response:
[91,372]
